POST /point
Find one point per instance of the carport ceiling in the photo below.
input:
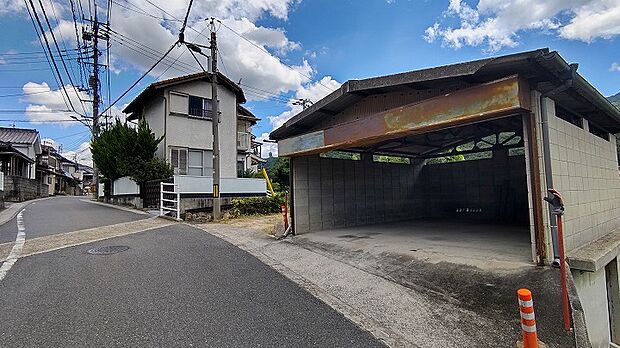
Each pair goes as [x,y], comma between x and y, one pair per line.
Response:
[431,144]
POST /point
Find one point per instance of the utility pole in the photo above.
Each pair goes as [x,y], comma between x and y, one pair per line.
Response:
[305,103]
[217,208]
[93,82]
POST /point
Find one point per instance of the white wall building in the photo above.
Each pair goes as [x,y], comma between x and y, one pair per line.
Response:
[180,110]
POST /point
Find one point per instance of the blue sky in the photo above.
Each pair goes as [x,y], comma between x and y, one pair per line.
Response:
[304,42]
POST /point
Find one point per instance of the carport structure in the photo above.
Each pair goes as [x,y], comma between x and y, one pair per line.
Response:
[459,158]
[467,137]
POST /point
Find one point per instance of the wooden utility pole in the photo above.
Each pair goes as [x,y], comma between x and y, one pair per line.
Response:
[217,208]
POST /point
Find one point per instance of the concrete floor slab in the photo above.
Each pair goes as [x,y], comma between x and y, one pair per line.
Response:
[468,243]
[410,302]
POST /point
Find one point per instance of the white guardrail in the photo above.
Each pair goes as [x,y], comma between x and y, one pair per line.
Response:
[167,196]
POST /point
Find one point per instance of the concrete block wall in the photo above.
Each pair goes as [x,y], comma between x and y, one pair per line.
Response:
[585,171]
[497,187]
[332,193]
[19,189]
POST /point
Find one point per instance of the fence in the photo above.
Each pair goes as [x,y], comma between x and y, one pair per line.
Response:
[150,192]
[170,201]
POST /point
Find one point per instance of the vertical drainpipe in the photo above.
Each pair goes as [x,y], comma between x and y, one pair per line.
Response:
[547,153]
[165,148]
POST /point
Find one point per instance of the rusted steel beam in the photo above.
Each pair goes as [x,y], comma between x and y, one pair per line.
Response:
[499,98]
[529,123]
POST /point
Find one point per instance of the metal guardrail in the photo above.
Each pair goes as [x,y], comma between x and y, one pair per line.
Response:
[165,197]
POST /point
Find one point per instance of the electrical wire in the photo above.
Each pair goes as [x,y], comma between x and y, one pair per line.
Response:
[24,94]
[138,80]
[38,21]
[70,135]
[61,58]
[32,19]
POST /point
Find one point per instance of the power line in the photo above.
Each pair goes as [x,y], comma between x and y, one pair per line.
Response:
[246,39]
[55,67]
[61,58]
[144,13]
[24,94]
[37,121]
[139,79]
[32,19]
[33,53]
[269,54]
[70,135]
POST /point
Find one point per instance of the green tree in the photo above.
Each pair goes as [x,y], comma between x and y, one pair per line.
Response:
[123,150]
[278,171]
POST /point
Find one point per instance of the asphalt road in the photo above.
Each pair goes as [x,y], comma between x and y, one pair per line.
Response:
[64,214]
[175,286]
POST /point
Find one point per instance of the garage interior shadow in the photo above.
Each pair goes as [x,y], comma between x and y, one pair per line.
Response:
[458,195]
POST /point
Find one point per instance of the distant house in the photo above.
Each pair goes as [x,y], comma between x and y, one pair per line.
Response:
[180,110]
[248,149]
[19,151]
[61,175]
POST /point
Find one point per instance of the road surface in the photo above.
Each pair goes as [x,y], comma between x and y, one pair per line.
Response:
[174,286]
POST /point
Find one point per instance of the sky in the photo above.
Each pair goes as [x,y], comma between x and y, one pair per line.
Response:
[280,50]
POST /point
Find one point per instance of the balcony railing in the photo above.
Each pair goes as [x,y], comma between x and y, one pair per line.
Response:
[201,113]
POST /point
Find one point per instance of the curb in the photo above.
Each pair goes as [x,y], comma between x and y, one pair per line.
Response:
[131,210]
[11,212]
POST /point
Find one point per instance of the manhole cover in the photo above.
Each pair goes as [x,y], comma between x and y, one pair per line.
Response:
[107,250]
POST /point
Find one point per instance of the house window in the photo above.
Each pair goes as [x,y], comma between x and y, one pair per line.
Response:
[191,161]
[49,180]
[178,103]
[178,160]
[195,163]
[200,107]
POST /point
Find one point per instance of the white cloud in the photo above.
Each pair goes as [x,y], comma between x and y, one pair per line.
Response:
[614,67]
[313,91]
[11,6]
[42,106]
[497,23]
[239,59]
[82,155]
[267,147]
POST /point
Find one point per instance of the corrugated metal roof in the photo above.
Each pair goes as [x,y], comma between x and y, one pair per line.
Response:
[18,135]
[543,69]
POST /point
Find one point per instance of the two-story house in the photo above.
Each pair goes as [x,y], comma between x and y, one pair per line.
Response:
[60,174]
[180,109]
[20,150]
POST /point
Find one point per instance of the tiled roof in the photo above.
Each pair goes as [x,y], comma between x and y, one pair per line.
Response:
[18,135]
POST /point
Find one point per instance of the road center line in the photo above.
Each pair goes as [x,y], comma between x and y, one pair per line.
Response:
[17,247]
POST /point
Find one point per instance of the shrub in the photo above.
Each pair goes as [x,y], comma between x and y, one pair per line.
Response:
[256,205]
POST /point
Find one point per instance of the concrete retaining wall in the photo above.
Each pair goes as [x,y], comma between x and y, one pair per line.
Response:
[592,291]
